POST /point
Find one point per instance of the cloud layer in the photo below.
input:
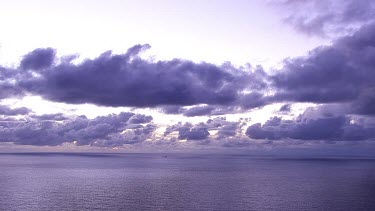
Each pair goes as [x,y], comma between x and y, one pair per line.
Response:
[339,79]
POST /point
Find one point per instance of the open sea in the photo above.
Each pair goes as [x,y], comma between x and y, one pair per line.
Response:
[72,181]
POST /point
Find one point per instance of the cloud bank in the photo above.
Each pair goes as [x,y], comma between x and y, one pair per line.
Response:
[325,127]
[52,130]
[128,80]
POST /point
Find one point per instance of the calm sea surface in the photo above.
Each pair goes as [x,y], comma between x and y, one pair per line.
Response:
[184,182]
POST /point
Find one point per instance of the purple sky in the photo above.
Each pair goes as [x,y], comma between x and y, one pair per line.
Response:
[187,76]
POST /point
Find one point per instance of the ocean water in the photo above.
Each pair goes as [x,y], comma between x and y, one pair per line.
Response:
[55,181]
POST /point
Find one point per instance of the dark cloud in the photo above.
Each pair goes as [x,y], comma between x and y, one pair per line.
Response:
[134,136]
[51,117]
[199,111]
[317,78]
[38,59]
[128,80]
[7,111]
[55,129]
[195,133]
[224,128]
[365,103]
[139,119]
[202,110]
[215,129]
[189,131]
[8,87]
[171,109]
[177,127]
[343,72]
[253,100]
[8,90]
[313,125]
[7,73]
[329,17]
[285,108]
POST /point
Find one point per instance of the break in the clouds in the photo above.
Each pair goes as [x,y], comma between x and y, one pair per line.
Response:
[328,17]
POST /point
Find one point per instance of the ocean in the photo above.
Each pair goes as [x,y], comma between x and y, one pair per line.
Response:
[94,181]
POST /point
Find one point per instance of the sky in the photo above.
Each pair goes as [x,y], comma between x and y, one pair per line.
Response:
[190,76]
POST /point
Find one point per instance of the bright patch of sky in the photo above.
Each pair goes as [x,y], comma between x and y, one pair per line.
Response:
[215,31]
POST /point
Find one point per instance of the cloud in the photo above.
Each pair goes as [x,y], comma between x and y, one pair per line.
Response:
[128,80]
[171,109]
[314,124]
[224,128]
[253,100]
[202,110]
[285,108]
[133,136]
[365,103]
[139,119]
[188,131]
[215,131]
[341,73]
[9,89]
[38,59]
[54,130]
[199,111]
[329,17]
[237,143]
[7,111]
[195,133]
[208,110]
[8,83]
[51,117]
